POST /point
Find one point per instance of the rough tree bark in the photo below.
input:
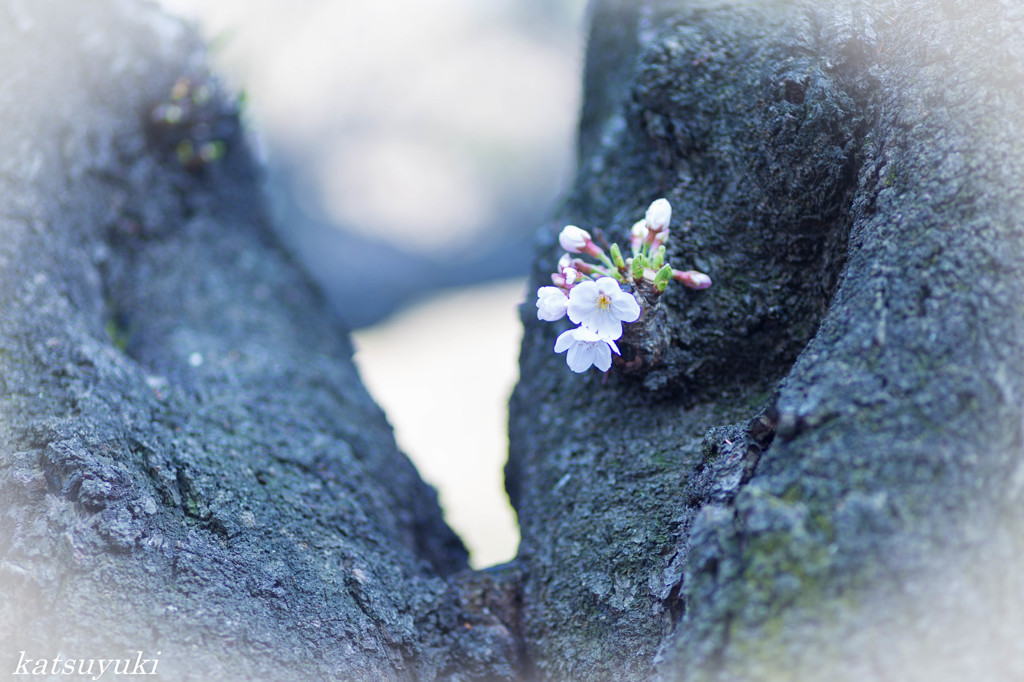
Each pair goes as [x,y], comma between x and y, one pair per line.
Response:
[191,466]
[820,480]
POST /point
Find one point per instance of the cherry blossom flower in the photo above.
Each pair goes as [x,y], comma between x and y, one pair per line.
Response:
[585,348]
[591,293]
[602,307]
[551,304]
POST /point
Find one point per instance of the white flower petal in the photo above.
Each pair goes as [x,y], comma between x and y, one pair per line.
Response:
[626,308]
[606,325]
[585,348]
[607,284]
[582,299]
[580,357]
[602,356]
[584,335]
[565,340]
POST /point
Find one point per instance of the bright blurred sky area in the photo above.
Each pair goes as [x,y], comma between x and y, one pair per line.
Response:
[422,124]
[446,395]
[414,119]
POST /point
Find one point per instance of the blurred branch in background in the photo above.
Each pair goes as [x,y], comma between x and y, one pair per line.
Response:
[413,144]
[412,148]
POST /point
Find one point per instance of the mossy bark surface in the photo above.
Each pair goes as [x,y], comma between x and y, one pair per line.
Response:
[831,445]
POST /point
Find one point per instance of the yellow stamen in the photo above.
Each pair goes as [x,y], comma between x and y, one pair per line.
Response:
[603,302]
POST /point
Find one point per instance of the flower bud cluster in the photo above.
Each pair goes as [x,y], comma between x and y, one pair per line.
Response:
[599,297]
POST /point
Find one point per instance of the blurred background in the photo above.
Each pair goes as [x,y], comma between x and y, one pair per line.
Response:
[413,147]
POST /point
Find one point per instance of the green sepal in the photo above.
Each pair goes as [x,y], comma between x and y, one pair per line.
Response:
[639,265]
[617,257]
[662,279]
[659,258]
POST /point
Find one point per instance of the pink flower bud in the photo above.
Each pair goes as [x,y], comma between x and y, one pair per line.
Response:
[658,239]
[567,270]
[574,239]
[566,278]
[638,235]
[659,214]
[692,279]
[551,304]
[577,240]
[583,266]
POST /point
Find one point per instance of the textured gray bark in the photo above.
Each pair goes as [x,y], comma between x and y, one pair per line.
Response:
[821,480]
[190,465]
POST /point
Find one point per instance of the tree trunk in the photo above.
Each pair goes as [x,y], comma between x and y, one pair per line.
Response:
[191,467]
[818,478]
